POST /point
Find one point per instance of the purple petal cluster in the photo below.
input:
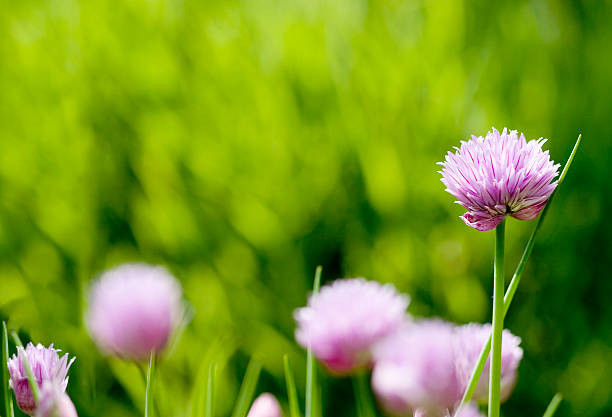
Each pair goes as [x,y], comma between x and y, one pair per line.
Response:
[134,309]
[47,367]
[265,405]
[499,175]
[344,321]
[54,403]
[415,369]
[470,340]
[425,368]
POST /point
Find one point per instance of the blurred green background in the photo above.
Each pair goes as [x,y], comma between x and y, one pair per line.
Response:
[242,143]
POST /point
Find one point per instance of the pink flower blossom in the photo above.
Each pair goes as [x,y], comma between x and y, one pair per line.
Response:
[134,310]
[469,342]
[54,403]
[47,367]
[415,370]
[346,318]
[499,175]
[265,405]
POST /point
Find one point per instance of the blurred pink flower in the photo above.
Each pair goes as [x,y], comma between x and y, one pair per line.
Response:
[265,405]
[346,318]
[470,340]
[134,309]
[415,370]
[47,367]
[54,403]
[499,175]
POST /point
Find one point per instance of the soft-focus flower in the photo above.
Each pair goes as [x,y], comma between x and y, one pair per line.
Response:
[415,370]
[470,340]
[134,309]
[47,367]
[470,410]
[54,402]
[346,318]
[265,405]
[499,175]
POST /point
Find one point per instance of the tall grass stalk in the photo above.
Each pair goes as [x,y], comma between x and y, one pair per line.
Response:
[294,406]
[8,401]
[247,389]
[311,371]
[554,404]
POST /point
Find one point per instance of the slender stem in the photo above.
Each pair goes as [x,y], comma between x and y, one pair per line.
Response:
[8,401]
[516,278]
[26,363]
[363,396]
[311,371]
[552,407]
[149,385]
[294,406]
[210,390]
[498,321]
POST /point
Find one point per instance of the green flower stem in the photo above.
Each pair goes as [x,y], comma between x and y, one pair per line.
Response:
[311,371]
[552,407]
[363,396]
[31,378]
[149,385]
[8,402]
[516,278]
[498,320]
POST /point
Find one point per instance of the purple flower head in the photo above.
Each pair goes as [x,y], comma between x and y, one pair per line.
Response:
[499,175]
[265,405]
[134,309]
[346,318]
[48,369]
[415,370]
[470,340]
[54,403]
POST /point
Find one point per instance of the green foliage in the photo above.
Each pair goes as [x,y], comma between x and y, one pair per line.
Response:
[242,143]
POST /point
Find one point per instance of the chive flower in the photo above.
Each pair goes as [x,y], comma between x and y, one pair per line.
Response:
[499,175]
[265,405]
[47,368]
[134,310]
[343,322]
[469,342]
[415,370]
[54,403]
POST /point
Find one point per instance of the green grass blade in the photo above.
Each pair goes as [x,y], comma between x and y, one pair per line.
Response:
[149,386]
[294,406]
[554,404]
[247,389]
[8,399]
[31,379]
[311,371]
[516,278]
[210,390]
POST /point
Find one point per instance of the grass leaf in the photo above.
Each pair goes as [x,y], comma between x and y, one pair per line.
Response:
[8,399]
[311,370]
[294,406]
[247,389]
[552,407]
